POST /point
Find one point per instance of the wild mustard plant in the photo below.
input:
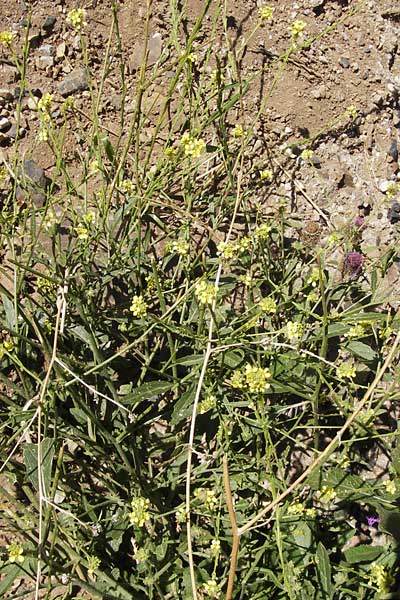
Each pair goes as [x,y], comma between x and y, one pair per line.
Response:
[76,18]
[138,307]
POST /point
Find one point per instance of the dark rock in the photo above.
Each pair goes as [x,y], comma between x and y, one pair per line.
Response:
[4,139]
[49,23]
[37,92]
[34,39]
[394,213]
[33,183]
[76,81]
[12,132]
[5,124]
[6,94]
[344,62]
[393,151]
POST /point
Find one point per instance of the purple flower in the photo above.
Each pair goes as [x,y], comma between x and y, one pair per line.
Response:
[359,223]
[353,262]
[373,521]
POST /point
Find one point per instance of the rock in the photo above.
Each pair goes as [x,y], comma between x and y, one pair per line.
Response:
[34,38]
[319,92]
[48,23]
[6,94]
[33,183]
[12,132]
[32,103]
[46,50]
[4,139]
[396,118]
[60,52]
[393,151]
[76,81]
[394,213]
[344,62]
[384,185]
[154,48]
[45,62]
[4,124]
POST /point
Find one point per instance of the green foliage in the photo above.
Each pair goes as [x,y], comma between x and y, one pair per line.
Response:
[125,307]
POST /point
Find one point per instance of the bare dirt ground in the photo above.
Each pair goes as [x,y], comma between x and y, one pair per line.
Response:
[354,167]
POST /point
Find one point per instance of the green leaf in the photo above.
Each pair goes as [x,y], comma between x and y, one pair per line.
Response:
[31,462]
[190,359]
[390,522]
[362,351]
[149,390]
[324,571]
[363,553]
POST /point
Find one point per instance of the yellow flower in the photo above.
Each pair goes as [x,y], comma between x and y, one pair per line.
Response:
[215,548]
[128,187]
[169,152]
[93,565]
[266,13]
[192,146]
[179,246]
[238,131]
[209,402]
[326,495]
[15,553]
[212,589]
[357,331]
[192,58]
[380,577]
[207,497]
[205,292]
[140,511]
[44,103]
[266,175]
[217,77]
[76,18]
[297,27]
[256,378]
[346,370]
[267,305]
[262,232]
[352,111]
[227,250]
[390,486]
[307,154]
[7,37]
[297,508]
[246,279]
[138,307]
[82,232]
[294,331]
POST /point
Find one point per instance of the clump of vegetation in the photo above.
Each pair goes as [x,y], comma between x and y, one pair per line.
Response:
[194,389]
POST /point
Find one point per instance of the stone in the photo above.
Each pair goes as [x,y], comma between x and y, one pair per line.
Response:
[46,50]
[344,62]
[34,38]
[49,23]
[60,52]
[394,213]
[33,183]
[45,62]
[76,81]
[393,151]
[4,139]
[154,49]
[31,103]
[4,124]
[6,94]
[12,132]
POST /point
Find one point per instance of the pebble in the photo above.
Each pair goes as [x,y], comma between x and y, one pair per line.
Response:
[384,185]
[344,62]
[76,81]
[60,52]
[4,139]
[4,124]
[154,49]
[6,94]
[394,213]
[49,23]
[393,151]
[45,62]
[46,50]
[12,132]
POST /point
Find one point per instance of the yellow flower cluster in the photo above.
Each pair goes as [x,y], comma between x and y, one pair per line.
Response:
[238,131]
[127,186]
[209,402]
[212,589]
[93,565]
[267,305]
[352,111]
[307,154]
[390,486]
[326,495]
[179,246]
[6,346]
[76,18]
[252,378]
[140,511]
[207,497]
[7,37]
[265,13]
[294,331]
[266,175]
[358,330]
[297,27]
[15,553]
[205,292]
[380,578]
[191,146]
[138,307]
[298,508]
[215,548]
[262,232]
[346,370]
[44,103]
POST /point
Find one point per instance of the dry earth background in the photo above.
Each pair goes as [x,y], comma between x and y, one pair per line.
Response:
[353,167]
